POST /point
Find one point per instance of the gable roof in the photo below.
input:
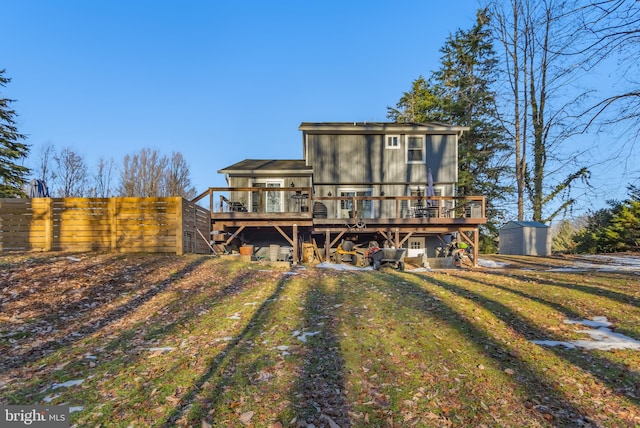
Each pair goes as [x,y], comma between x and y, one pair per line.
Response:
[379,128]
[268,166]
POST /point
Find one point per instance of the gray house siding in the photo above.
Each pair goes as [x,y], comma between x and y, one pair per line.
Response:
[365,159]
[363,163]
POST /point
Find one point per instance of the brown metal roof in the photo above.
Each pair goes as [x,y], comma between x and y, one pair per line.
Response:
[265,166]
[379,127]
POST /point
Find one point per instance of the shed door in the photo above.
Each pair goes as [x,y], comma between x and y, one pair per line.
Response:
[510,241]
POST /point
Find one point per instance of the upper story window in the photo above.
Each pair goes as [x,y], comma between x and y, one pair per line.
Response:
[393,142]
[416,152]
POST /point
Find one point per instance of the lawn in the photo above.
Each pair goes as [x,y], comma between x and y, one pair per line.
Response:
[160,340]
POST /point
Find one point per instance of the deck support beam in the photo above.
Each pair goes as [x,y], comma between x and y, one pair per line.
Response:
[473,242]
[336,240]
[296,249]
[407,236]
[236,233]
[284,235]
[293,241]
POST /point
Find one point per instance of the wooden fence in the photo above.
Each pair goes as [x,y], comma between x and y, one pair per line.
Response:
[155,225]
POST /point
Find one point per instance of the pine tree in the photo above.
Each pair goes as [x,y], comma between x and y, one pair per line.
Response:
[460,93]
[613,229]
[12,175]
[623,231]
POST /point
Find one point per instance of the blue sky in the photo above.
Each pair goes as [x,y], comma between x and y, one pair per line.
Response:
[217,81]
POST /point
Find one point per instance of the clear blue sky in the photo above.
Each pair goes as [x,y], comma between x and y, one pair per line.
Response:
[217,81]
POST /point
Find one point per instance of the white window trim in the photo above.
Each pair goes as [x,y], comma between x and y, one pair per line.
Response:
[416,243]
[386,141]
[424,149]
[355,190]
[266,182]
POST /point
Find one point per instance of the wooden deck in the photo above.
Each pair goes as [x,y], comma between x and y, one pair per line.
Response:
[295,212]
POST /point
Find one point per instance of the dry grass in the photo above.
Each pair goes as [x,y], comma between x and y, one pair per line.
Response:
[197,341]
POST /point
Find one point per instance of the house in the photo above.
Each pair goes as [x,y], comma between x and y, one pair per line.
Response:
[526,238]
[394,183]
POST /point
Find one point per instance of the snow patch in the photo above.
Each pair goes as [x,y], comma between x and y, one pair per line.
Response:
[50,398]
[162,350]
[602,337]
[593,322]
[67,384]
[339,266]
[490,264]
[303,337]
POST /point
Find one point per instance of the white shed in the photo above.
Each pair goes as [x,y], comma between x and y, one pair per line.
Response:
[526,238]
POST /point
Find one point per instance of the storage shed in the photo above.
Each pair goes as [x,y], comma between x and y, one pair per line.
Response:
[525,238]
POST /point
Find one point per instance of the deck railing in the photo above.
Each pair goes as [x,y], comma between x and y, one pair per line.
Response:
[291,200]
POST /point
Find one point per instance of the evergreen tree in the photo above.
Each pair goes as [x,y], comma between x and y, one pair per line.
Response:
[563,240]
[12,175]
[613,229]
[623,232]
[460,93]
[588,240]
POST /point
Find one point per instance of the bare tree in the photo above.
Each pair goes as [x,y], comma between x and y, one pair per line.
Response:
[509,34]
[176,178]
[538,105]
[148,174]
[610,30]
[102,179]
[71,175]
[44,170]
[142,173]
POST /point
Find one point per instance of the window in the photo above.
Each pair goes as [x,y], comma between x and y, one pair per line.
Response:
[273,201]
[393,142]
[416,247]
[416,152]
[363,208]
[415,244]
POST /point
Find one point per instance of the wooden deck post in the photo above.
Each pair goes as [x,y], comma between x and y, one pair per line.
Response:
[295,244]
[327,246]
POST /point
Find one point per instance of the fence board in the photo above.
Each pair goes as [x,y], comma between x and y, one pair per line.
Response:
[112,224]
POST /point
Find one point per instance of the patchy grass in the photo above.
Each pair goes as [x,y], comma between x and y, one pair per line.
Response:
[196,341]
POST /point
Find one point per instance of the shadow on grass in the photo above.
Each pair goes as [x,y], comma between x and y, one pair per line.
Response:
[127,346]
[567,311]
[536,388]
[87,327]
[319,394]
[590,363]
[558,307]
[214,390]
[589,289]
[126,398]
